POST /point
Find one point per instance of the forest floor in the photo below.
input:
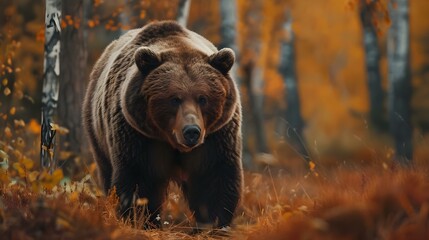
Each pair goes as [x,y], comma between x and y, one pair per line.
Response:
[375,201]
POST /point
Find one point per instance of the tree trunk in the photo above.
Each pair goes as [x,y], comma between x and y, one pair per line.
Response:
[255,105]
[372,64]
[287,69]
[228,32]
[7,73]
[400,81]
[183,12]
[253,78]
[50,81]
[72,88]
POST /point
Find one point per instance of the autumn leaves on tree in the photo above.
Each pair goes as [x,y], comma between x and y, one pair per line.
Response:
[374,19]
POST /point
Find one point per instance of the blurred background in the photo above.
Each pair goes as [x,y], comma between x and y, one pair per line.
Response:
[325,83]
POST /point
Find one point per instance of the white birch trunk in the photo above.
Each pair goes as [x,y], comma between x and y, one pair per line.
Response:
[400,80]
[50,81]
[183,12]
[253,82]
[228,31]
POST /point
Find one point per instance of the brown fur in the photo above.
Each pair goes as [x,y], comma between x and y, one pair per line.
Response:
[144,89]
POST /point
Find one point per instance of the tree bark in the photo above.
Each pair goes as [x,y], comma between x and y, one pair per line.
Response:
[183,12]
[50,81]
[228,32]
[372,64]
[294,121]
[252,80]
[255,105]
[400,81]
[73,76]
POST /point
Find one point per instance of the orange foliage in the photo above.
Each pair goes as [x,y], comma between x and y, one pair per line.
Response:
[321,204]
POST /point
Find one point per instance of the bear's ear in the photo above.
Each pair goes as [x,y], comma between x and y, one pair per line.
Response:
[222,60]
[146,59]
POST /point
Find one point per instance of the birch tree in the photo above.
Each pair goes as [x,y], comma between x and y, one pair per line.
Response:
[50,82]
[228,31]
[253,76]
[372,63]
[183,12]
[399,75]
[252,80]
[294,122]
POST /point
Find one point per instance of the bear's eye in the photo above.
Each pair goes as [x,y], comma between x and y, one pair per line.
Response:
[176,101]
[202,100]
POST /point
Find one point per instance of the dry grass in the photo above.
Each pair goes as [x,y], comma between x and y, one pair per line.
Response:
[353,199]
[371,203]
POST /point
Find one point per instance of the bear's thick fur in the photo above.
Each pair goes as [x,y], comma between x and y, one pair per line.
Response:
[160,107]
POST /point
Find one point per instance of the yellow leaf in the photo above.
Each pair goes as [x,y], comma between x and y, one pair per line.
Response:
[74,197]
[6,91]
[142,14]
[27,163]
[19,168]
[19,123]
[12,111]
[92,168]
[7,132]
[34,126]
[312,165]
[59,129]
[64,155]
[57,176]
[91,23]
[33,176]
[62,224]
[48,181]
[4,82]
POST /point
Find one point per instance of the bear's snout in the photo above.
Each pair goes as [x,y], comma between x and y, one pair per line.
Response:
[191,133]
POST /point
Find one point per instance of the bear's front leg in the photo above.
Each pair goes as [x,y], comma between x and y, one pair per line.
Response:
[213,195]
[154,192]
[132,183]
[124,180]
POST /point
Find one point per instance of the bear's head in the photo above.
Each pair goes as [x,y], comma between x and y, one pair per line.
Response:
[180,96]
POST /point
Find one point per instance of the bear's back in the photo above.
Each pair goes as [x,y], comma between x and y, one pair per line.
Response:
[159,37]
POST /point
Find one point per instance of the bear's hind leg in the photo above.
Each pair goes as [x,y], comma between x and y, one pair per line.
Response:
[104,168]
[104,172]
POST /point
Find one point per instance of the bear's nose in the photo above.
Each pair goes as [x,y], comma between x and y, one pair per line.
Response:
[191,133]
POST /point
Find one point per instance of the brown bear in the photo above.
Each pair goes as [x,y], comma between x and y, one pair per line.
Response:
[161,106]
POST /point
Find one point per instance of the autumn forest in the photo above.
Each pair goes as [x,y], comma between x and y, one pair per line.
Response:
[335,118]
